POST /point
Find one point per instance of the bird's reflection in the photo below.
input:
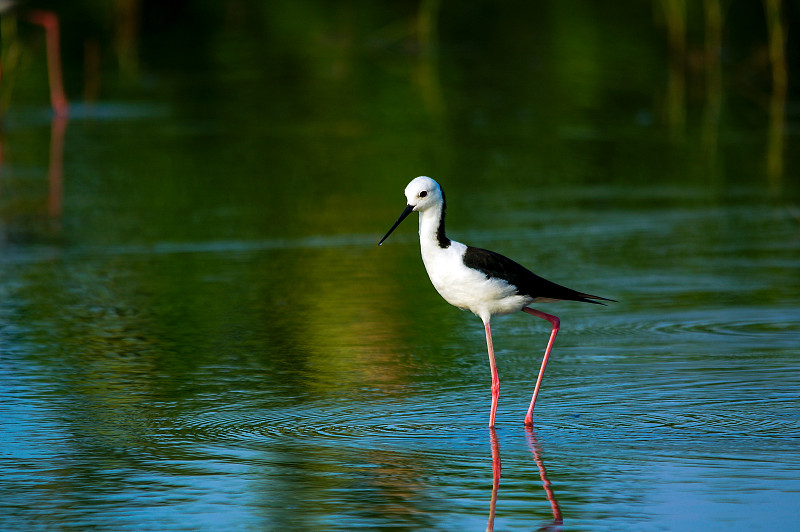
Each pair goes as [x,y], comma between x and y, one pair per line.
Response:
[536,450]
[55,173]
[533,445]
[48,20]
[55,193]
[495,476]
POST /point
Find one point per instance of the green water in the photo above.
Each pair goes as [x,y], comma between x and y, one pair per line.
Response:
[198,331]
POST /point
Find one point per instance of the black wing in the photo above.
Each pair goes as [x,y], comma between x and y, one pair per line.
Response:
[528,283]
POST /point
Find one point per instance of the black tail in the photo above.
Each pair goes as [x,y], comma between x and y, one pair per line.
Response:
[597,300]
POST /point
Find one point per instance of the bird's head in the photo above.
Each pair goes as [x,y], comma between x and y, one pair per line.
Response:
[422,194]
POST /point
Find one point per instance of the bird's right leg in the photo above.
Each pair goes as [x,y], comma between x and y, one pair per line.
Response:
[555,322]
[495,377]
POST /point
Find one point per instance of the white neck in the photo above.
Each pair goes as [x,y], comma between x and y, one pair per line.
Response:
[429,221]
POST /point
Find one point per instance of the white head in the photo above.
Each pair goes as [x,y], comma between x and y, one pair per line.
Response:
[422,193]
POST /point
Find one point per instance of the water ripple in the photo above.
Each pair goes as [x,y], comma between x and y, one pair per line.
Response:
[779,324]
[670,413]
[320,422]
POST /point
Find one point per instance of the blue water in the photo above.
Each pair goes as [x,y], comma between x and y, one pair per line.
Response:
[179,386]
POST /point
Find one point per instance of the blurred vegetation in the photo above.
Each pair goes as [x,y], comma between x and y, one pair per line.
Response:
[247,120]
[544,93]
[356,65]
[110,48]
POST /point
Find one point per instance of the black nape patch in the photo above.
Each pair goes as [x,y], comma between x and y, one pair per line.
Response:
[441,237]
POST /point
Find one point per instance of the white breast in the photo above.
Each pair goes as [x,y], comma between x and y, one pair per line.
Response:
[466,288]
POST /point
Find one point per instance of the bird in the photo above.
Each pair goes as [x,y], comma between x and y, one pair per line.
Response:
[49,21]
[481,281]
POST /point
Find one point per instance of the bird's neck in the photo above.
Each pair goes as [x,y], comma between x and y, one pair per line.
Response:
[431,227]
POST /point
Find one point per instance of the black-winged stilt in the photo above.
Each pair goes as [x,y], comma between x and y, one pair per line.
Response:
[49,21]
[479,280]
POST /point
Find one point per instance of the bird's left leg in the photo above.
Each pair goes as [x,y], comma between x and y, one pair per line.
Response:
[556,322]
[495,377]
[49,21]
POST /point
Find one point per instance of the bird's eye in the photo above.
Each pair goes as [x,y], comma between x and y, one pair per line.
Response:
[423,193]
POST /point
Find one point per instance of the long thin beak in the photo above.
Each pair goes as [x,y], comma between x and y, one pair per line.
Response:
[408,210]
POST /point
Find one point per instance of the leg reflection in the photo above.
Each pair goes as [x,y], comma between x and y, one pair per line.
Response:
[55,174]
[495,477]
[533,444]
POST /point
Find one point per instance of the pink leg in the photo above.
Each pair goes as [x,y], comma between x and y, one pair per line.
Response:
[49,21]
[495,378]
[556,322]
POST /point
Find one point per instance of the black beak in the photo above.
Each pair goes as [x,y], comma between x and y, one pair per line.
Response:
[408,210]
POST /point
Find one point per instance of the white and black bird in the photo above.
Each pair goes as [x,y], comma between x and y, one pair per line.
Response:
[481,281]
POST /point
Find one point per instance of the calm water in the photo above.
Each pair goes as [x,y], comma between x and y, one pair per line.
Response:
[198,331]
